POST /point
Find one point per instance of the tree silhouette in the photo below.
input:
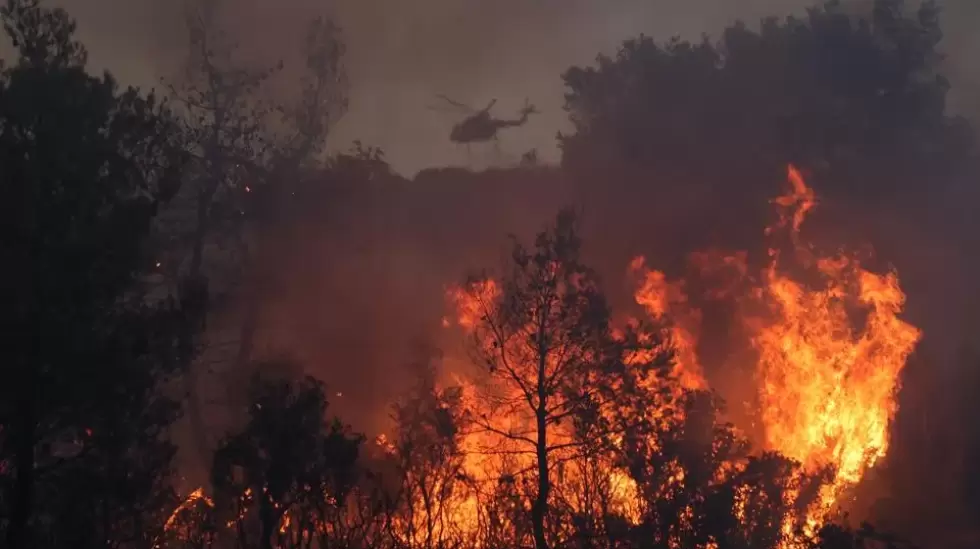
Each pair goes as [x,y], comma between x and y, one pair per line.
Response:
[858,100]
[699,482]
[242,145]
[84,167]
[239,140]
[546,338]
[277,473]
[834,536]
[571,408]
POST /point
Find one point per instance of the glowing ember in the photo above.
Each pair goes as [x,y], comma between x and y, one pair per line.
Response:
[181,524]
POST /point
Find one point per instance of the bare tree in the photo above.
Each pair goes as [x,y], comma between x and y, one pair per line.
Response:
[244,145]
[544,333]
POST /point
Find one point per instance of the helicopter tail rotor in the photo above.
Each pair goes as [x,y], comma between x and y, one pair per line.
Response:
[528,108]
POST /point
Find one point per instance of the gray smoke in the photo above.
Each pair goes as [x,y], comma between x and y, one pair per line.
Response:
[401,53]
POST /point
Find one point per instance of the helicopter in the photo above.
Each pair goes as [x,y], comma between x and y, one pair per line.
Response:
[480,126]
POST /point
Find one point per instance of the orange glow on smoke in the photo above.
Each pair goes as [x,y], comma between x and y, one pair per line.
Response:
[826,383]
[827,360]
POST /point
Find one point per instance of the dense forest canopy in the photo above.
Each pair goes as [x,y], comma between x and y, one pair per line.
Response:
[745,392]
[859,101]
[86,166]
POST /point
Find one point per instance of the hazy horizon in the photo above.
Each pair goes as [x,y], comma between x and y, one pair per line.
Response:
[400,56]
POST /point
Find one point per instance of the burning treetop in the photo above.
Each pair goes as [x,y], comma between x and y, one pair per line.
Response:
[580,425]
[826,383]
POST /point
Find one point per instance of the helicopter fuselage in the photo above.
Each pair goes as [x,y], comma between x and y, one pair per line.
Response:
[483,127]
[476,128]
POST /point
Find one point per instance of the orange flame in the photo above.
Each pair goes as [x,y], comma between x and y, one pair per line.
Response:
[826,383]
[665,300]
[174,525]
[827,365]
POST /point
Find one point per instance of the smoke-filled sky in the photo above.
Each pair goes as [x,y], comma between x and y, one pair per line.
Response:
[402,52]
[386,266]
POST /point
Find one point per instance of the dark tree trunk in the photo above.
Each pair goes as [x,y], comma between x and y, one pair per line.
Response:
[267,518]
[540,507]
[24,437]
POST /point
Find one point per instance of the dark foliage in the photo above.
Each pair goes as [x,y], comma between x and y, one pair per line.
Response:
[85,407]
[84,167]
[858,100]
[288,459]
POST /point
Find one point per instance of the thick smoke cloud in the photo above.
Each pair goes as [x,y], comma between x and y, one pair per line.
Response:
[365,279]
[386,266]
[402,53]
